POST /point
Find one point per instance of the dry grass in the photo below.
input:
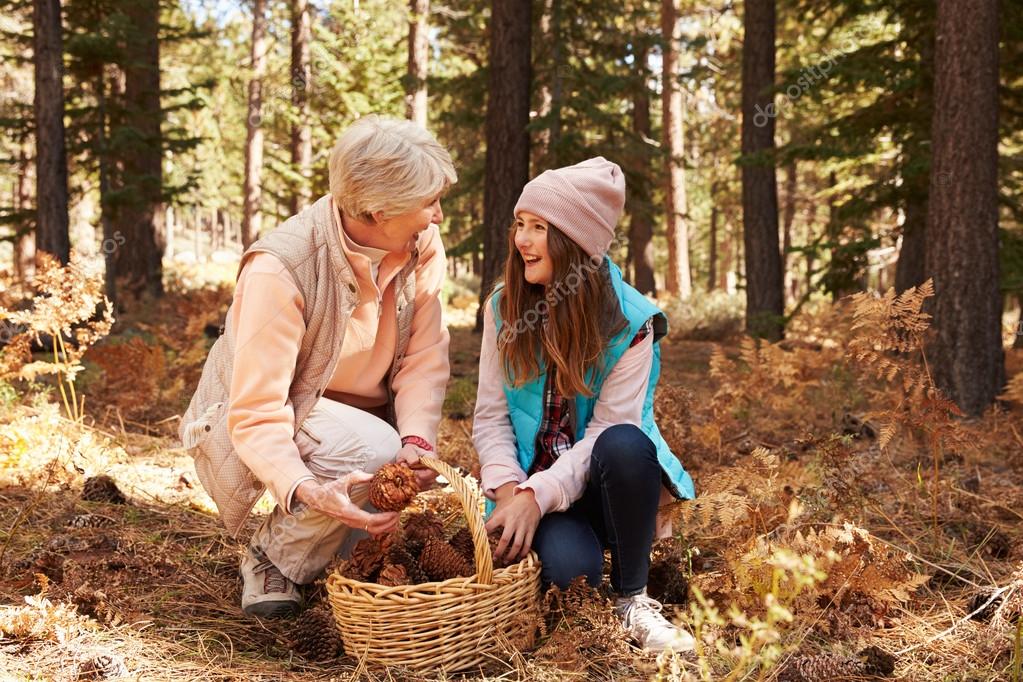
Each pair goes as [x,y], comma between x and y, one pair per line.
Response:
[780,440]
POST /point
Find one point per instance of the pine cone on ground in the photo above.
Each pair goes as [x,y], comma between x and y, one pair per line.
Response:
[393,487]
[89,521]
[103,667]
[392,575]
[821,668]
[400,556]
[462,542]
[102,489]
[420,528]
[315,636]
[442,562]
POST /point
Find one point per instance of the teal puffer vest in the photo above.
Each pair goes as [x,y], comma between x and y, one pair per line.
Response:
[525,403]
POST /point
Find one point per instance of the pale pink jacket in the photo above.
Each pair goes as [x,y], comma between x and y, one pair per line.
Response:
[620,402]
[267,314]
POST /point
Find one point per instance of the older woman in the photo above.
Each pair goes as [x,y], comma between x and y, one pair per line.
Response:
[333,361]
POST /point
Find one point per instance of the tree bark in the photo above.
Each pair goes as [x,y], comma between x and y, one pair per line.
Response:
[911,267]
[301,132]
[641,224]
[712,251]
[551,92]
[962,255]
[764,285]
[252,189]
[138,235]
[677,279]
[51,155]
[24,244]
[507,160]
[418,56]
[788,218]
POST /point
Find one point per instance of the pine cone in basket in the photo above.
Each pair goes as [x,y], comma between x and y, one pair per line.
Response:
[367,558]
[400,556]
[442,562]
[503,562]
[462,542]
[420,528]
[315,636]
[393,487]
[392,575]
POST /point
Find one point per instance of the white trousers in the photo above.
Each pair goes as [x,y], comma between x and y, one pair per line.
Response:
[334,440]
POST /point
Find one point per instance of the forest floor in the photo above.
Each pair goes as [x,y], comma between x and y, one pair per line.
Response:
[840,516]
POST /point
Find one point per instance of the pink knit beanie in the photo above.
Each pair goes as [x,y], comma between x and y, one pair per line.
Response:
[584,201]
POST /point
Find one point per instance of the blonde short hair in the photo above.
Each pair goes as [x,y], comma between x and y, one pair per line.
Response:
[387,165]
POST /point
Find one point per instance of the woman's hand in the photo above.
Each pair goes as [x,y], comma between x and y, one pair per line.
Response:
[410,454]
[518,514]
[334,500]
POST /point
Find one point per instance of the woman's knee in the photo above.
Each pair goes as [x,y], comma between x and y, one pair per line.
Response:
[344,438]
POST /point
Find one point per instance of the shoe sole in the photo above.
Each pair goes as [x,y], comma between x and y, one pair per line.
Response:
[272,609]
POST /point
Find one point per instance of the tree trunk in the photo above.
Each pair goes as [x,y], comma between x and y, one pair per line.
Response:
[51,156]
[138,245]
[252,189]
[641,224]
[551,92]
[789,217]
[764,285]
[301,132]
[507,160]
[24,243]
[911,267]
[105,218]
[418,56]
[712,251]
[962,255]
[677,279]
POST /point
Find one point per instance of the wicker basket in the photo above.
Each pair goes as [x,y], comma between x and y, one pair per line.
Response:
[451,625]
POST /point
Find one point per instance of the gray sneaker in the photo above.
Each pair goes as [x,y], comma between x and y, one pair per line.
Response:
[266,593]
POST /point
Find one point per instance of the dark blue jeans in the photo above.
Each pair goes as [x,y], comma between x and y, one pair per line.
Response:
[618,510]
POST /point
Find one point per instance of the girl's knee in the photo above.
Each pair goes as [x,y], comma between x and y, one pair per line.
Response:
[561,568]
[622,446]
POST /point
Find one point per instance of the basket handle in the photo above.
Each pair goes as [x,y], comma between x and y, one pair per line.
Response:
[469,497]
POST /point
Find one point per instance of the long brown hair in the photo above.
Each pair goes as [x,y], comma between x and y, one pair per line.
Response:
[582,316]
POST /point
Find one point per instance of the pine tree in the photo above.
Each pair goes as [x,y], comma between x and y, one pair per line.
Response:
[962,228]
[764,286]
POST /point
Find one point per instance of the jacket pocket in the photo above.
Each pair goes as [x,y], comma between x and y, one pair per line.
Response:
[197,431]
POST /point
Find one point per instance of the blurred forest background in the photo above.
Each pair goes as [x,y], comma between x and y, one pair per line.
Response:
[788,162]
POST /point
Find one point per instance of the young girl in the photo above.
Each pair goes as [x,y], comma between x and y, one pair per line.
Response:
[571,459]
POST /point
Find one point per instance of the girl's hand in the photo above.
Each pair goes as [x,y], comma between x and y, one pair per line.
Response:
[410,454]
[519,515]
[334,500]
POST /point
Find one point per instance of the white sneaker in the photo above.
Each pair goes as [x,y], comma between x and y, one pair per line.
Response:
[266,593]
[642,619]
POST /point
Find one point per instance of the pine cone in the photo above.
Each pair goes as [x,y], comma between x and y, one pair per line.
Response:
[393,487]
[392,575]
[462,542]
[89,521]
[821,668]
[315,636]
[400,556]
[102,489]
[504,562]
[877,661]
[442,562]
[419,529]
[103,667]
[367,558]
